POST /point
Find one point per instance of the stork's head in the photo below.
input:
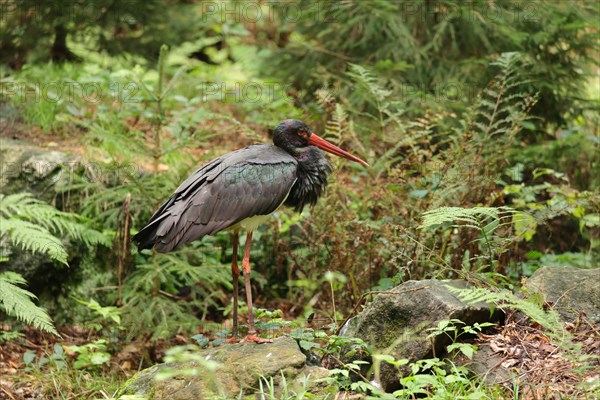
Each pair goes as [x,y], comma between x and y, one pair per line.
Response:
[292,134]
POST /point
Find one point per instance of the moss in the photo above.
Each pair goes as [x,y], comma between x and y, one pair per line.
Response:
[127,388]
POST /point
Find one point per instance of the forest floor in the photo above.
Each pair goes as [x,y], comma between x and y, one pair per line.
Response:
[540,367]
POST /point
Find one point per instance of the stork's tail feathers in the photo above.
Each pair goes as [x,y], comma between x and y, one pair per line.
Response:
[146,238]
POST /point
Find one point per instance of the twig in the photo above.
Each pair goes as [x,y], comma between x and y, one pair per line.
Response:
[8,393]
[123,247]
[170,296]
[353,370]
[566,364]
[80,395]
[56,387]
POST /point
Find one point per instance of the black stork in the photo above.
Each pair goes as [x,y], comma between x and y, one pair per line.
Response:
[238,191]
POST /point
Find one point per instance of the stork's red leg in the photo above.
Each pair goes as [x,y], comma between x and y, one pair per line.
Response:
[235,272]
[251,337]
[246,269]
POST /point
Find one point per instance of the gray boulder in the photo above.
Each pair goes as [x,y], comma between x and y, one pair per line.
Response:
[570,289]
[241,367]
[26,167]
[396,324]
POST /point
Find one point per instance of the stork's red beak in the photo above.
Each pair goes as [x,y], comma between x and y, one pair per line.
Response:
[333,149]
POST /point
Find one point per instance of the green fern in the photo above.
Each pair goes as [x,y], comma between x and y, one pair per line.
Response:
[480,218]
[388,113]
[35,226]
[149,292]
[16,302]
[369,81]
[326,99]
[504,105]
[480,145]
[368,85]
[34,238]
[504,298]
[486,220]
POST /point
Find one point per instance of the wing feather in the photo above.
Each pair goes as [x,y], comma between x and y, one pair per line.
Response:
[242,184]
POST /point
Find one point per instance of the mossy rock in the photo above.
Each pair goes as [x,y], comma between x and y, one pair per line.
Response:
[242,366]
[29,168]
[397,323]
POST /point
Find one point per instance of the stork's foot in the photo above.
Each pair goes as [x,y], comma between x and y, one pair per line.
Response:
[233,339]
[255,339]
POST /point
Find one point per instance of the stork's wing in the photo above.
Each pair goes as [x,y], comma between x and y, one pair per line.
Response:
[239,185]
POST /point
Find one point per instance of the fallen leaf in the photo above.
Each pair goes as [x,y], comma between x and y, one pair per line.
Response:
[509,363]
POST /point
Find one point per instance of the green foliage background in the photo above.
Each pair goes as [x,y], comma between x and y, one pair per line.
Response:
[479,120]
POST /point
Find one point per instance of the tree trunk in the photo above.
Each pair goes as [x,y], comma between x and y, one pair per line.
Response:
[60,51]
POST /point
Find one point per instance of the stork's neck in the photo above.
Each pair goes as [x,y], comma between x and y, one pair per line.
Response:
[312,173]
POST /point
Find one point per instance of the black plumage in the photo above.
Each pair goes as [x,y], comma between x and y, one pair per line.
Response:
[234,190]
[248,182]
[242,184]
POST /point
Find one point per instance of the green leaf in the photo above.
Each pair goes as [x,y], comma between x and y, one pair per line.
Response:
[58,350]
[28,357]
[591,220]
[465,348]
[81,362]
[470,217]
[100,358]
[525,225]
[76,349]
[306,345]
[528,125]
[383,357]
[35,226]
[419,194]
[533,255]
[338,371]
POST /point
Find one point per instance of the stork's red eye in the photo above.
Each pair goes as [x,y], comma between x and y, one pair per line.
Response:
[303,134]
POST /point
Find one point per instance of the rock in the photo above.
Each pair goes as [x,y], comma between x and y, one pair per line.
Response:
[242,365]
[570,289]
[396,324]
[29,168]
[25,167]
[485,364]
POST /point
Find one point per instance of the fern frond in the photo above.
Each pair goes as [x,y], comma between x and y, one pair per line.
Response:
[33,238]
[16,301]
[501,107]
[79,232]
[369,81]
[336,124]
[17,204]
[162,315]
[504,298]
[470,217]
[371,89]
[35,226]
[325,99]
